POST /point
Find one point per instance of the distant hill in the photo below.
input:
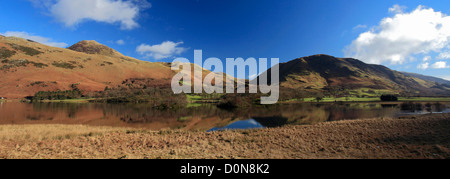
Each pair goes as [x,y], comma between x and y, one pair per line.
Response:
[428,78]
[324,72]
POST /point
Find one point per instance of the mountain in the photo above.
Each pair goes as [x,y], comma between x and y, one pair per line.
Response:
[93,47]
[324,72]
[428,78]
[28,67]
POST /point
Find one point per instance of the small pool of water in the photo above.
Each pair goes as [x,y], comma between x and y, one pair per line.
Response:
[245,124]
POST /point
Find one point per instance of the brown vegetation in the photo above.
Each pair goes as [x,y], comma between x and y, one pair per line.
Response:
[425,136]
[24,62]
[91,65]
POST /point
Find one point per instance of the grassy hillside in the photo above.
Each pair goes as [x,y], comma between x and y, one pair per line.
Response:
[346,76]
[28,67]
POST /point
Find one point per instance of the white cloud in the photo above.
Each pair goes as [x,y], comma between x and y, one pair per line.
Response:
[427,58]
[120,42]
[359,26]
[397,9]
[398,38]
[74,12]
[164,50]
[42,40]
[440,65]
[444,55]
[423,66]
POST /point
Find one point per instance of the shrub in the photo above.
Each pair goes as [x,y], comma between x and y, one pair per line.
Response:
[13,64]
[160,98]
[5,53]
[389,98]
[28,51]
[230,101]
[20,63]
[39,65]
[37,83]
[57,95]
[64,65]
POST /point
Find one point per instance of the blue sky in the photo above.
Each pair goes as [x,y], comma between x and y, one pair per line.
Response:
[160,30]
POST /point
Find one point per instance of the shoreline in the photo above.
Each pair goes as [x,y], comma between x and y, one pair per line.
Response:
[411,137]
[328,101]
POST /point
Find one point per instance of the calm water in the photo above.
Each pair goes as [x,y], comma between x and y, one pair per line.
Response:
[205,117]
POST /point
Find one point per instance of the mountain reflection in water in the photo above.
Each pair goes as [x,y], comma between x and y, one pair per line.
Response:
[204,117]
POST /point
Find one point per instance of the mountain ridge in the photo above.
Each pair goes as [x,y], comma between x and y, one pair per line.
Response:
[429,78]
[323,72]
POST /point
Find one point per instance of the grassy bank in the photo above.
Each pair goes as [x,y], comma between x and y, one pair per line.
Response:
[425,99]
[372,99]
[69,101]
[426,136]
[193,100]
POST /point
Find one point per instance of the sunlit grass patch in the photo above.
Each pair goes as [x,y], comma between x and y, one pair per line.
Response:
[192,98]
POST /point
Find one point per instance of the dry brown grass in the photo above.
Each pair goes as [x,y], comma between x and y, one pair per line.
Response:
[425,136]
[33,133]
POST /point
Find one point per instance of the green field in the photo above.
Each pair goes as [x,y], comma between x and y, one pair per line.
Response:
[193,98]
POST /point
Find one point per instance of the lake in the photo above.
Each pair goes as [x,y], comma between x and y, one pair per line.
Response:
[204,117]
